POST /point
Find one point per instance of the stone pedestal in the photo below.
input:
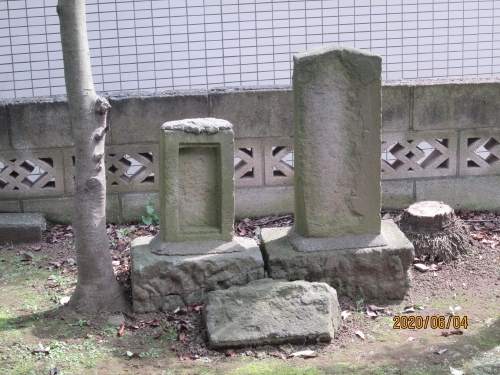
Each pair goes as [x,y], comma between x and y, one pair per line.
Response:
[195,251]
[338,236]
[165,282]
[365,272]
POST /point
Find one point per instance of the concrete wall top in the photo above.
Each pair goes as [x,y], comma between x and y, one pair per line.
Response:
[41,122]
[255,112]
[137,117]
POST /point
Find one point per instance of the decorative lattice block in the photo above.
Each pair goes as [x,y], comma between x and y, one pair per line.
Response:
[418,154]
[128,168]
[248,162]
[279,161]
[30,173]
[479,152]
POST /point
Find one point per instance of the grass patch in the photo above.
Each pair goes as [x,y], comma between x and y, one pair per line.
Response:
[267,368]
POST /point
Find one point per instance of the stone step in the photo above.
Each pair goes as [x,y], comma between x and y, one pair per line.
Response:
[21,227]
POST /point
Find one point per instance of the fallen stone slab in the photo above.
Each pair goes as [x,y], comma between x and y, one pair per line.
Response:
[164,282]
[21,227]
[271,311]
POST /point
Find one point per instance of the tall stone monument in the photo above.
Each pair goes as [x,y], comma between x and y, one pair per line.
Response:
[338,236]
[195,251]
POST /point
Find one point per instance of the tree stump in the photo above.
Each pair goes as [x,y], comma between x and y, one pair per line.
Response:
[435,231]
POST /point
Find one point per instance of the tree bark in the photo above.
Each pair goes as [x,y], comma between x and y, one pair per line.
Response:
[435,231]
[97,288]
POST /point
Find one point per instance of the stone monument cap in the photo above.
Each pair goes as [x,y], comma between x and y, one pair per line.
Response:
[207,125]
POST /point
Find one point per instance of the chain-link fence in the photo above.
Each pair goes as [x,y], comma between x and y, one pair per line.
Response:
[158,45]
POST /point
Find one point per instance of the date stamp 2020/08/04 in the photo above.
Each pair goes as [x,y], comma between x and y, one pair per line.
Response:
[429,321]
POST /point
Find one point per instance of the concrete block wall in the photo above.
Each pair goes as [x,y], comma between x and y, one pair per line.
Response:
[440,140]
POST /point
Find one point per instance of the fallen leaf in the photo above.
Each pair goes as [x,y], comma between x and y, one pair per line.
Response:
[360,334]
[435,267]
[196,306]
[345,314]
[41,349]
[456,332]
[442,351]
[121,330]
[36,248]
[409,309]
[132,355]
[375,308]
[64,300]
[454,371]
[277,355]
[173,348]
[421,267]
[153,323]
[182,336]
[185,357]
[370,313]
[128,315]
[182,311]
[230,353]
[304,354]
[158,335]
[26,257]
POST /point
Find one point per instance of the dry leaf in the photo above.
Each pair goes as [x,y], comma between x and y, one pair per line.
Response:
[185,357]
[182,336]
[454,371]
[121,330]
[370,313]
[230,353]
[132,355]
[304,354]
[409,309]
[277,355]
[360,334]
[421,267]
[345,314]
[442,351]
[456,332]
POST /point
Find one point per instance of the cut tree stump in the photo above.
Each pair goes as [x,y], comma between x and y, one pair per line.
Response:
[435,231]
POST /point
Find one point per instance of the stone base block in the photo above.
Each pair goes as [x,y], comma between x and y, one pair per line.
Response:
[21,228]
[271,312]
[165,282]
[372,272]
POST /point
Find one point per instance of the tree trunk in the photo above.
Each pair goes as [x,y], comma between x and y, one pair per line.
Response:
[435,231]
[97,288]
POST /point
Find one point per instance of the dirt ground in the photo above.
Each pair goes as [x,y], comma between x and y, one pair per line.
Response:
[38,335]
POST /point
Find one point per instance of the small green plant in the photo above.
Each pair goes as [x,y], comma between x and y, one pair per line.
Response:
[124,232]
[360,304]
[151,217]
[80,323]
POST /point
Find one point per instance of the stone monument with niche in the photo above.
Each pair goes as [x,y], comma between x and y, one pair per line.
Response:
[195,251]
[338,236]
